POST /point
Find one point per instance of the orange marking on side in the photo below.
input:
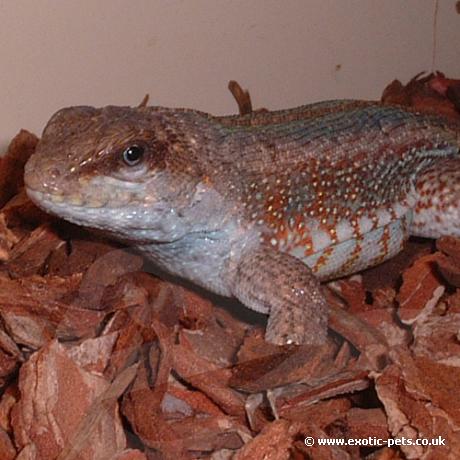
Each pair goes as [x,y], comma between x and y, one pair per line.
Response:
[322,261]
[384,245]
[353,257]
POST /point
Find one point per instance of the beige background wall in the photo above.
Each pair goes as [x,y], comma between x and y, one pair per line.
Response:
[183,52]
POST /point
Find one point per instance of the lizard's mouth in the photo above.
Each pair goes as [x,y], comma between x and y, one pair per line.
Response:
[66,206]
[74,208]
[131,222]
[90,195]
[49,200]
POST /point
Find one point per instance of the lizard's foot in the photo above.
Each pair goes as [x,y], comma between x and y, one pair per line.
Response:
[301,329]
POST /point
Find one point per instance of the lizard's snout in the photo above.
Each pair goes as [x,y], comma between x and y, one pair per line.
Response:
[42,175]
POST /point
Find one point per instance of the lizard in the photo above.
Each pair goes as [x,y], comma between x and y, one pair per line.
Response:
[261,207]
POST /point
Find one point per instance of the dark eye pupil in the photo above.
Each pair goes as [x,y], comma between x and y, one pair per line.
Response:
[133,154]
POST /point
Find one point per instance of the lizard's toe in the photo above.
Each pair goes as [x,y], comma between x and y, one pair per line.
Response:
[308,331]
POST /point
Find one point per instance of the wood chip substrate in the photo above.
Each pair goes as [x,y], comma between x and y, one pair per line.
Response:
[102,359]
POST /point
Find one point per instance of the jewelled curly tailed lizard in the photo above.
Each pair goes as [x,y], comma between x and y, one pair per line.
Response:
[260,207]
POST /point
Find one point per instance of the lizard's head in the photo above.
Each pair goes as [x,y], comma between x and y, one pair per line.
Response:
[129,171]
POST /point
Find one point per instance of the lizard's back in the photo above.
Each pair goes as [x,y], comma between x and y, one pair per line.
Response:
[335,187]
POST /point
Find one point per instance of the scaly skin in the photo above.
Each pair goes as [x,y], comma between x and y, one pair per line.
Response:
[259,207]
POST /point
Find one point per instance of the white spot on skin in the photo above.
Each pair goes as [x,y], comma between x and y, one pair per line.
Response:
[84,162]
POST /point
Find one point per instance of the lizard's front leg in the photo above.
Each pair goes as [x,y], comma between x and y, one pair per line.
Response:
[282,286]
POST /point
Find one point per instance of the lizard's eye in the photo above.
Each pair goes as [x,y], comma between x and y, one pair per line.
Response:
[133,155]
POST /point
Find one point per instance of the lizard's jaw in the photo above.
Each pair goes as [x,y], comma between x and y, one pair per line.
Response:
[130,223]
